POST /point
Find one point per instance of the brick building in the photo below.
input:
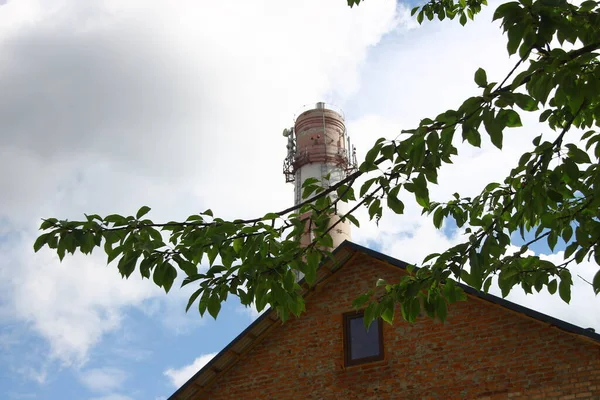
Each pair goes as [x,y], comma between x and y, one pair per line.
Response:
[488,348]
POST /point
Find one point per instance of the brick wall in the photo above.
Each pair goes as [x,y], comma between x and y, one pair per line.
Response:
[483,351]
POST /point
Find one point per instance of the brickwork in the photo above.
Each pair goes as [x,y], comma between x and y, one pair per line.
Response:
[483,351]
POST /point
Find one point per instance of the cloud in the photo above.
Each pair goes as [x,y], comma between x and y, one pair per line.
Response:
[103,379]
[109,105]
[179,376]
[110,82]
[72,304]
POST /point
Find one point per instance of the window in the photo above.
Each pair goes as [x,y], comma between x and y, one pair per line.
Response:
[362,345]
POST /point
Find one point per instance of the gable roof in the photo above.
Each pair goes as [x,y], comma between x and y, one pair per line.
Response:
[261,327]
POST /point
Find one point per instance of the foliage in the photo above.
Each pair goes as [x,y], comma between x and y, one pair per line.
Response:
[550,195]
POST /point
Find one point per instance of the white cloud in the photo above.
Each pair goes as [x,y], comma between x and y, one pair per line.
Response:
[73,303]
[108,105]
[179,376]
[130,78]
[103,379]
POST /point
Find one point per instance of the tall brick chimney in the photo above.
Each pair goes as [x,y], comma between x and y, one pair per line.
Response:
[318,145]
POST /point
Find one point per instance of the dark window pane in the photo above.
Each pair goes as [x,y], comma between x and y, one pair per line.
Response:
[363,343]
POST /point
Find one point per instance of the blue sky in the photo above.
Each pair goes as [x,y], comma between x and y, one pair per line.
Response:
[110,105]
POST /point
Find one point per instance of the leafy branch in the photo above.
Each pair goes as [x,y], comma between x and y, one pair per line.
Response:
[551,194]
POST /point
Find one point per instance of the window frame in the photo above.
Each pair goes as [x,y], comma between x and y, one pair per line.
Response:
[348,361]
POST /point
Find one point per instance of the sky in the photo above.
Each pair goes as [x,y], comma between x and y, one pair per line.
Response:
[107,105]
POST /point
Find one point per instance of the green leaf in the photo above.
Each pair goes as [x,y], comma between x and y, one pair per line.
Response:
[366,186]
[369,315]
[564,290]
[481,78]
[261,297]
[214,306]
[270,216]
[345,193]
[571,169]
[545,115]
[466,277]
[487,284]
[158,274]
[441,308]
[169,277]
[552,286]
[142,211]
[361,300]
[415,309]
[428,258]
[114,253]
[438,217]
[48,223]
[511,117]
[525,102]
[375,209]
[238,243]
[472,136]
[578,155]
[421,191]
[596,282]
[353,219]
[587,6]
[491,186]
[372,154]
[552,239]
[326,241]
[494,127]
[145,266]
[193,298]
[114,218]
[127,264]
[388,313]
[312,260]
[515,36]
[40,242]
[388,151]
[395,204]
[203,303]
[433,142]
